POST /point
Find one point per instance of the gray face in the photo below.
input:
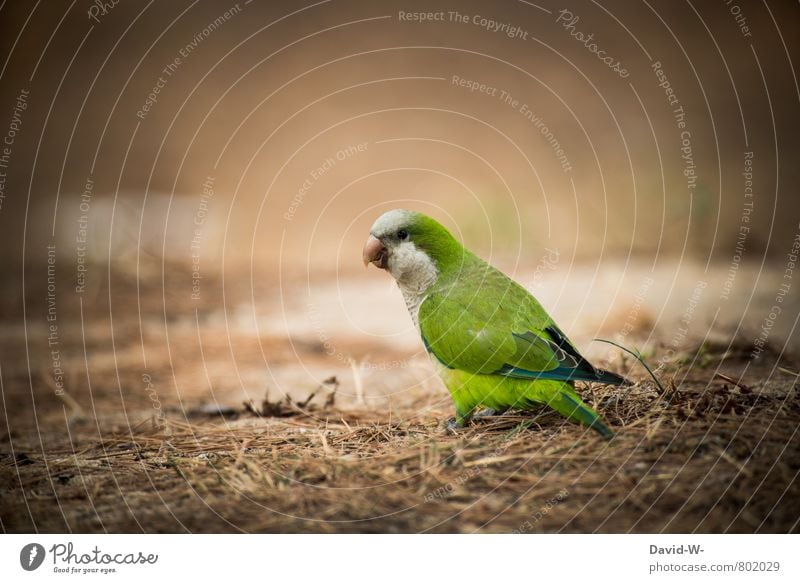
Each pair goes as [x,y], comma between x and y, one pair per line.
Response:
[391,247]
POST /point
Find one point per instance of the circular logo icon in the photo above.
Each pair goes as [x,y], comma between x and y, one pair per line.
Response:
[31,556]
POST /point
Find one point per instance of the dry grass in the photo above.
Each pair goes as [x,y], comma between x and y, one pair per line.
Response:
[716,451]
[708,456]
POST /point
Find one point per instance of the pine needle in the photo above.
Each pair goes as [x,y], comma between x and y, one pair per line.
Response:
[637,355]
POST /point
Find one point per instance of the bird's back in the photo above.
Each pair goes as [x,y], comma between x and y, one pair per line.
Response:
[492,296]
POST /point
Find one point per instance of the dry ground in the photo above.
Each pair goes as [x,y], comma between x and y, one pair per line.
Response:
[207,442]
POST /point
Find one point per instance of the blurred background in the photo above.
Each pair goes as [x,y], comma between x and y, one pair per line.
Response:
[185,186]
[257,96]
[265,137]
[170,143]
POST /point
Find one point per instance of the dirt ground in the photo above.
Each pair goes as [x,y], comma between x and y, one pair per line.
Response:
[268,411]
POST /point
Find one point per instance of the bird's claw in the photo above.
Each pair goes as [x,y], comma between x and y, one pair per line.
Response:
[453,426]
[487,413]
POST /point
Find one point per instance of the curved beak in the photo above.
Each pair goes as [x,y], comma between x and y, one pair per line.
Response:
[375,253]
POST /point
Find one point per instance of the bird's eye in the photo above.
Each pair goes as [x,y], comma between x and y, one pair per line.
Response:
[402,234]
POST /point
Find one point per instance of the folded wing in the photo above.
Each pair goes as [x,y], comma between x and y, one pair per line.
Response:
[496,327]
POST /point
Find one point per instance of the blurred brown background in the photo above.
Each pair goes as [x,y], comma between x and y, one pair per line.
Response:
[269,91]
[185,187]
[229,158]
[263,138]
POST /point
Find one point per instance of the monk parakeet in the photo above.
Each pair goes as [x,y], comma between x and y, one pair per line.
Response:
[493,344]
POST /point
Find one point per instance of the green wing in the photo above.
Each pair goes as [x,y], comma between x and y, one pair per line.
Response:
[485,323]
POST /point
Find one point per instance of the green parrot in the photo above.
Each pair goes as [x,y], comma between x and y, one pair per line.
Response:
[493,344]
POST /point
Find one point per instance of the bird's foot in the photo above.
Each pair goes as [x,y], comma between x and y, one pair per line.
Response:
[488,413]
[484,413]
[453,426]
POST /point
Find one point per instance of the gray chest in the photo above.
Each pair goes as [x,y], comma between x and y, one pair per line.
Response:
[413,302]
[415,273]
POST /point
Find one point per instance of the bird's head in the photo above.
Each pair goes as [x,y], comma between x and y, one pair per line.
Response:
[409,244]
